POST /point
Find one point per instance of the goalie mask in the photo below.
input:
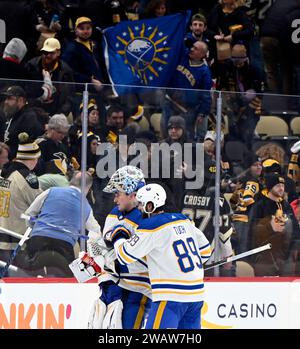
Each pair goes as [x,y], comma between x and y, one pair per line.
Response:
[151,193]
[127,179]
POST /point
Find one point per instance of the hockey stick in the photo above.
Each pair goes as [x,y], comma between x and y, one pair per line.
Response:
[238,256]
[11,233]
[33,220]
[15,252]
[11,267]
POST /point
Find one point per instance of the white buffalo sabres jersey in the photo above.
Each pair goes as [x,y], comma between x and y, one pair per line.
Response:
[133,277]
[175,251]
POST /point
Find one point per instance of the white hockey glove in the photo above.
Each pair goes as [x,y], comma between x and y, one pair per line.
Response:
[85,267]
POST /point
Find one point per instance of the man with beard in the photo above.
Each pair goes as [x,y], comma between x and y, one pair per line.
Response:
[61,99]
[273,221]
[20,118]
[199,32]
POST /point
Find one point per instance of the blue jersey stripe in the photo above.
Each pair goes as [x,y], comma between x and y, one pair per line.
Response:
[179,287]
[205,246]
[131,256]
[136,278]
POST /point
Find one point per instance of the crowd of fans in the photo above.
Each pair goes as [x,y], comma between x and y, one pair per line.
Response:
[243,48]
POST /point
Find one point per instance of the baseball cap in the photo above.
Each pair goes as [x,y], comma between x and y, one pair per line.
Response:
[14,91]
[50,45]
[81,20]
[211,135]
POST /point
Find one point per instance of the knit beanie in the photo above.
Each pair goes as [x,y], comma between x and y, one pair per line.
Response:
[273,179]
[271,166]
[27,150]
[16,49]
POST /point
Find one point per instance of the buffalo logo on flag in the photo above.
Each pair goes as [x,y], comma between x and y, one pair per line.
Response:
[144,52]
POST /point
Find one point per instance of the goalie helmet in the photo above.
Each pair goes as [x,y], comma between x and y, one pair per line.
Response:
[153,193]
[127,179]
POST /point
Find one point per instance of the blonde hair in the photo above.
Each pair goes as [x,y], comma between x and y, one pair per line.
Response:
[237,3]
[273,151]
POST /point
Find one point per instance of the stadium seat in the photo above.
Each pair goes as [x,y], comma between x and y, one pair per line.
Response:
[272,126]
[244,269]
[295,125]
[155,122]
[144,124]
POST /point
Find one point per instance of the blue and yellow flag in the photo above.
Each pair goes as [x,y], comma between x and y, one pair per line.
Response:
[144,52]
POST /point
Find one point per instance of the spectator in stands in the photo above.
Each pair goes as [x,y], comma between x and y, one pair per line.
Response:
[273,221]
[57,228]
[209,144]
[83,56]
[94,126]
[46,15]
[115,122]
[176,131]
[230,23]
[278,64]
[54,153]
[156,8]
[199,32]
[4,151]
[19,187]
[273,166]
[289,46]
[61,100]
[248,189]
[243,109]
[193,73]
[21,118]
[11,66]
[293,170]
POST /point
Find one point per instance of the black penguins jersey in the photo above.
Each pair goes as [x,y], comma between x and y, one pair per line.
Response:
[200,208]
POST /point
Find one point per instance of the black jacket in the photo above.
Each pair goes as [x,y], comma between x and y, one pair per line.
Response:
[62,98]
[25,120]
[218,22]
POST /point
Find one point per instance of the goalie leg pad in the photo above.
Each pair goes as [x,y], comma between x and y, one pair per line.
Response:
[97,315]
[113,316]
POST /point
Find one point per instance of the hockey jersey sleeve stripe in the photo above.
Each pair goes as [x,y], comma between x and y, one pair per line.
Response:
[138,284]
[135,278]
[178,292]
[124,256]
[178,287]
[206,252]
[161,226]
[122,262]
[176,280]
[137,259]
[205,246]
[131,222]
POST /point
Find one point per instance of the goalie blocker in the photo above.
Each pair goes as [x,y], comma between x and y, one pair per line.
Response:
[86,268]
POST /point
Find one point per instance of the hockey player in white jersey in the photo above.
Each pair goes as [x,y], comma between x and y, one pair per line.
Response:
[175,251]
[127,284]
